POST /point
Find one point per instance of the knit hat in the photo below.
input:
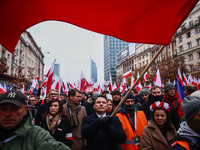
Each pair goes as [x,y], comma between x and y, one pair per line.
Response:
[116,92]
[190,106]
[130,96]
[196,94]
[144,91]
[169,86]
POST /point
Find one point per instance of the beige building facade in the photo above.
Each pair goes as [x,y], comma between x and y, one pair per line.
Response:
[185,43]
[27,54]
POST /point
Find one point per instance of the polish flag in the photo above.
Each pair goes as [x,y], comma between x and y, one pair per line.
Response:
[110,84]
[195,81]
[157,79]
[114,87]
[5,87]
[2,90]
[127,74]
[198,84]
[146,76]
[71,85]
[83,83]
[100,88]
[50,76]
[190,79]
[180,77]
[139,85]
[23,89]
[185,79]
[56,84]
[33,86]
[148,86]
[132,81]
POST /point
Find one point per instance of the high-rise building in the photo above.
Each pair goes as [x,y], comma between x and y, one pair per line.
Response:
[112,46]
[57,70]
[93,71]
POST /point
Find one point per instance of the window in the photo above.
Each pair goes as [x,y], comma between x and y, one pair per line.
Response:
[189,45]
[190,68]
[146,61]
[191,23]
[198,41]
[188,35]
[175,52]
[182,27]
[180,39]
[8,57]
[198,54]
[190,57]
[197,30]
[181,48]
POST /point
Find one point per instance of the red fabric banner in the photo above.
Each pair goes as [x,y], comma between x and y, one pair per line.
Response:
[140,21]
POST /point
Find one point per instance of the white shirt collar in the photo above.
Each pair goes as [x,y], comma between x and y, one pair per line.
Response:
[100,115]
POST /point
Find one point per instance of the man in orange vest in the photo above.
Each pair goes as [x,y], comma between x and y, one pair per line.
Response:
[133,123]
[188,135]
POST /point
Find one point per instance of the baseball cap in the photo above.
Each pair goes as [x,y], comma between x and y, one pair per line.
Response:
[14,97]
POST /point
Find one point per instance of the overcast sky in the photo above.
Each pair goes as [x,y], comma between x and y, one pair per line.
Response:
[71,46]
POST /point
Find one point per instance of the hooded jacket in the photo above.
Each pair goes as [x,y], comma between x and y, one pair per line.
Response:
[29,137]
[187,137]
[152,138]
[176,102]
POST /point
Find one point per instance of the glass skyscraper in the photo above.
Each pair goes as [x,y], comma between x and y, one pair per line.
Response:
[112,46]
[93,71]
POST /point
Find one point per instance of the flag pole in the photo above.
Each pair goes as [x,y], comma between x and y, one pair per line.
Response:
[140,77]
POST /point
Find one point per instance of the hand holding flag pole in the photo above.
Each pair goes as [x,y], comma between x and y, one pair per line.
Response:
[138,79]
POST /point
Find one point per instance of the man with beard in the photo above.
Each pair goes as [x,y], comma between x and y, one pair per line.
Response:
[188,135]
[75,113]
[172,96]
[133,123]
[116,96]
[156,95]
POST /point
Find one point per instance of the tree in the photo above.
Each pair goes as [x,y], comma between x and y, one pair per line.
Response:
[3,65]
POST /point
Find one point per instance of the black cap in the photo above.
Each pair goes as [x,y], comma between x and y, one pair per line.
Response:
[14,97]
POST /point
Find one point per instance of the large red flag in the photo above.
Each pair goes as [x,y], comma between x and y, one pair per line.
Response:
[128,20]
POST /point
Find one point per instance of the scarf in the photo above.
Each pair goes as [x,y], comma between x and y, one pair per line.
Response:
[52,122]
[73,116]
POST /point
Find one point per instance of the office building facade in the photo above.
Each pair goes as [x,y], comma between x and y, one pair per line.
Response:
[93,71]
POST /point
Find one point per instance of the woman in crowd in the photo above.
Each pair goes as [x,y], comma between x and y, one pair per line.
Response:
[110,104]
[159,133]
[56,122]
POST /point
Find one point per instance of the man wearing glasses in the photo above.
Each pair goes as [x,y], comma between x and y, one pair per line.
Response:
[42,108]
[75,112]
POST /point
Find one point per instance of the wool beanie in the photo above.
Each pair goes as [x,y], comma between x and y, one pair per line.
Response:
[115,92]
[196,94]
[130,96]
[190,106]
[144,91]
[169,86]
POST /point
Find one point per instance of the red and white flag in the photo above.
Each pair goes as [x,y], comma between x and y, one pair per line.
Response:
[185,79]
[50,77]
[56,84]
[198,84]
[157,79]
[139,85]
[132,81]
[110,84]
[5,89]
[146,76]
[190,79]
[83,83]
[127,74]
[180,77]
[114,87]
[148,86]
[23,89]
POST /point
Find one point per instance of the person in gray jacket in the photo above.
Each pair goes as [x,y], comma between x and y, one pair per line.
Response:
[17,130]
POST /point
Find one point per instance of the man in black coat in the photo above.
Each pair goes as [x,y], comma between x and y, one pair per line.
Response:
[102,132]
[156,95]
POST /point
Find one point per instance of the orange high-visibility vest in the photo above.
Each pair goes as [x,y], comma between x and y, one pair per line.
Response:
[181,143]
[140,123]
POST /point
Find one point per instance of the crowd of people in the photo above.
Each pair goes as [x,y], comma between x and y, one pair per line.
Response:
[155,119]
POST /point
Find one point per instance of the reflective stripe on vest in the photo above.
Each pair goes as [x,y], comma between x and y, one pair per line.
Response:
[129,142]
